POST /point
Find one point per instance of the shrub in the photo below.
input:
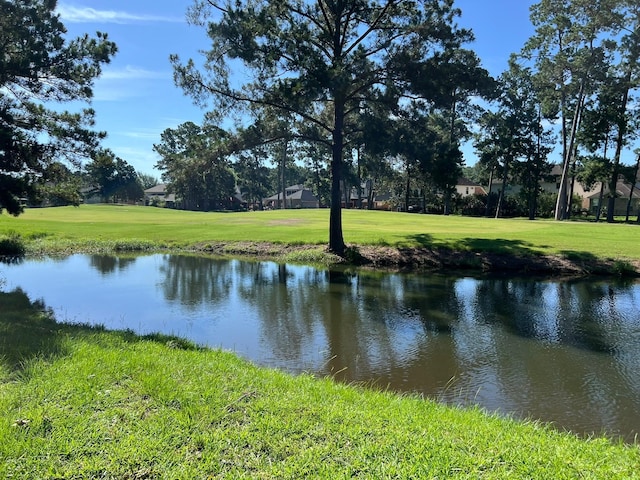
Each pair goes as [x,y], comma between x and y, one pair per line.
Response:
[11,244]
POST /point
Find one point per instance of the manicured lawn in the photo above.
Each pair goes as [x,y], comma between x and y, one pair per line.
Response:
[77,402]
[95,224]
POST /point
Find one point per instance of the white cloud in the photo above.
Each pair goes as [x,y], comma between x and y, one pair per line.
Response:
[74,14]
[117,84]
[132,73]
[144,134]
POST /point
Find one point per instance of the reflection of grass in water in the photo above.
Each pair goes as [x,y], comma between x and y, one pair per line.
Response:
[88,403]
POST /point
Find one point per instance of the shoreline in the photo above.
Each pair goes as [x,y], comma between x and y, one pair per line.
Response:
[412,259]
[393,259]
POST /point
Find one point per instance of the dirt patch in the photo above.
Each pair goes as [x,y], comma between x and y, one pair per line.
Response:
[253,249]
[421,258]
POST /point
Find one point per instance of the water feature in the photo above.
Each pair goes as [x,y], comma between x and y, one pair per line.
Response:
[566,352]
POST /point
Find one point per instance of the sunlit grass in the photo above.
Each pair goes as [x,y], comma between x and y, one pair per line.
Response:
[97,225]
[77,402]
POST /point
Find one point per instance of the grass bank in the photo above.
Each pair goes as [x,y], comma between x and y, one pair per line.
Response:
[386,239]
[77,402]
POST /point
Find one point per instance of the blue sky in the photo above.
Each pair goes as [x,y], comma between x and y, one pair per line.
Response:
[135,99]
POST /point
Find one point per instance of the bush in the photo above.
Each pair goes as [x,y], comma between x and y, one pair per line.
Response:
[11,244]
[473,205]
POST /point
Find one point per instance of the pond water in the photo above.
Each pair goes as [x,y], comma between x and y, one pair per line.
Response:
[566,352]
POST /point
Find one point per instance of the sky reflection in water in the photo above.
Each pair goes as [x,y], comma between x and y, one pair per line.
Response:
[567,352]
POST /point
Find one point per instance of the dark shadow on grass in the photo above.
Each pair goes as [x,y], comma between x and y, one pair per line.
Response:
[476,245]
[28,330]
[592,264]
[502,255]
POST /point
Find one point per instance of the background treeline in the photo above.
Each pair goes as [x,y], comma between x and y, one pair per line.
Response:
[379,93]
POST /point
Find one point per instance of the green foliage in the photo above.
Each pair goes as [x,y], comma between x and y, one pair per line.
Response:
[38,67]
[195,167]
[112,178]
[316,66]
[586,57]
[253,177]
[473,205]
[147,180]
[58,186]
[623,269]
[12,244]
[134,245]
[546,205]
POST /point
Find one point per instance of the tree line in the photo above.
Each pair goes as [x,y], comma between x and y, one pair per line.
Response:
[354,89]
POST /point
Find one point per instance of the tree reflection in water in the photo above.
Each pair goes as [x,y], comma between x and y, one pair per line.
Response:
[561,351]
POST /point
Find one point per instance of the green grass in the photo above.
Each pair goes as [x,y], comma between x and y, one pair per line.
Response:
[92,227]
[77,402]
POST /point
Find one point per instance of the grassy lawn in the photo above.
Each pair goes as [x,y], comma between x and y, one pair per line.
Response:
[77,402]
[57,228]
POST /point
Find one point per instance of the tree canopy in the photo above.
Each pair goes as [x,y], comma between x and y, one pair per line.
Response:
[112,178]
[40,69]
[194,163]
[320,63]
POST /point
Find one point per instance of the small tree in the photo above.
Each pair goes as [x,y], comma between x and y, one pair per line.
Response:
[112,178]
[147,180]
[195,166]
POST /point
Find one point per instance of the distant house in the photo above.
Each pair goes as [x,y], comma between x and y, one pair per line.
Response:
[549,184]
[158,195]
[466,187]
[360,199]
[591,199]
[383,201]
[357,199]
[295,196]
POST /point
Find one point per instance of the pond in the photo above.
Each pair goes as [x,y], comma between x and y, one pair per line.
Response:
[566,352]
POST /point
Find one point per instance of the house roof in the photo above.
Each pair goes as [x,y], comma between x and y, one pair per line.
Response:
[622,190]
[382,197]
[159,189]
[465,182]
[303,194]
[277,196]
[556,170]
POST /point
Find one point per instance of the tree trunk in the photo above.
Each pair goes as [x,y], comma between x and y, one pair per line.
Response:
[561,203]
[633,186]
[504,187]
[359,180]
[406,191]
[346,194]
[336,240]
[571,190]
[487,208]
[600,199]
[622,130]
[283,181]
[447,201]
